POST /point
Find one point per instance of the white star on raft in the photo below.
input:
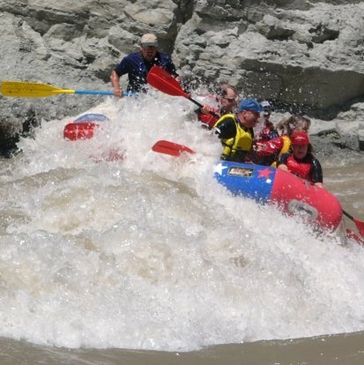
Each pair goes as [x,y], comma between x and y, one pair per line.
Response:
[219,168]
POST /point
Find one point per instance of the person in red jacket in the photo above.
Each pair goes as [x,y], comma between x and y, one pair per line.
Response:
[227,102]
[300,161]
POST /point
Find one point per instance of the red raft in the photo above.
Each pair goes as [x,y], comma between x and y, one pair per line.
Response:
[84,126]
[292,194]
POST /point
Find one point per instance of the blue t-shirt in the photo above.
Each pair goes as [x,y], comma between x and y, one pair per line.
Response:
[137,68]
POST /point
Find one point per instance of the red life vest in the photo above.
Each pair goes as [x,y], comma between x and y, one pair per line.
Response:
[300,169]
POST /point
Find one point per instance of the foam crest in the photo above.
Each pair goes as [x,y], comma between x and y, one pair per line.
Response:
[150,252]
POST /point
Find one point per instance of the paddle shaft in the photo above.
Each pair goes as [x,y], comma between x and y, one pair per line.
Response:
[97,92]
[348,215]
[100,92]
[201,106]
[94,92]
[194,101]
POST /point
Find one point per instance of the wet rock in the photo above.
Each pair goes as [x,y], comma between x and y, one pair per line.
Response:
[361,136]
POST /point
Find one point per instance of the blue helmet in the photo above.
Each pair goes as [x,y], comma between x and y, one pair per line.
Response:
[250,104]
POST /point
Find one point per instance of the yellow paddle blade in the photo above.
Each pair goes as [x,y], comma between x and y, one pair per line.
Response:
[31,89]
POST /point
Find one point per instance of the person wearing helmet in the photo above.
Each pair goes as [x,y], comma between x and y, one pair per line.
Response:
[300,161]
[268,131]
[137,65]
[236,131]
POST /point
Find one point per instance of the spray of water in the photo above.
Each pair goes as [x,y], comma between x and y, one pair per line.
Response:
[149,252]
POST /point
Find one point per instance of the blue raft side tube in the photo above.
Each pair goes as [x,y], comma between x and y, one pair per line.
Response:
[246,179]
[292,194]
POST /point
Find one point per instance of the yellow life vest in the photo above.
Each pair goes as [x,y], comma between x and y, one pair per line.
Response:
[242,141]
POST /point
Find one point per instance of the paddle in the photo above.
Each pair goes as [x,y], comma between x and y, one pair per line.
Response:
[163,81]
[170,148]
[359,224]
[22,89]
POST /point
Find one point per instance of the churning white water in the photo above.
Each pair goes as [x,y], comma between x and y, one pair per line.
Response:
[149,252]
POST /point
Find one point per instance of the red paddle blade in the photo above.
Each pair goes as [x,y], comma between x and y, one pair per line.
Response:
[163,81]
[170,148]
[360,225]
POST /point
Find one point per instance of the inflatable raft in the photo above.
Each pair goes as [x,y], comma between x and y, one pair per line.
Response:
[266,184]
[83,127]
[292,194]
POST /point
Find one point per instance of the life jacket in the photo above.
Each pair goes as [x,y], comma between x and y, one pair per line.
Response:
[241,142]
[300,168]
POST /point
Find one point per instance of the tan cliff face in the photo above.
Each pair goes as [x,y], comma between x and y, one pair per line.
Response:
[308,54]
[311,56]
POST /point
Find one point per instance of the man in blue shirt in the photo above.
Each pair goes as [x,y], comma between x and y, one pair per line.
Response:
[138,64]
